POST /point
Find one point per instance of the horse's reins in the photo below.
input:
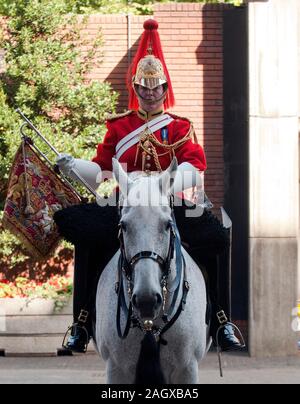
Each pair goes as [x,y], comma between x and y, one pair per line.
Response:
[127,267]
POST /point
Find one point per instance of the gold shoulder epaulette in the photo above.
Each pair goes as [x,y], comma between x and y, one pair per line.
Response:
[112,117]
[191,133]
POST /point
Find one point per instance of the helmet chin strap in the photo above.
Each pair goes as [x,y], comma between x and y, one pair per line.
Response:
[162,97]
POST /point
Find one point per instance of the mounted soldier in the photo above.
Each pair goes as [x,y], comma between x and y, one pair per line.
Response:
[145,138]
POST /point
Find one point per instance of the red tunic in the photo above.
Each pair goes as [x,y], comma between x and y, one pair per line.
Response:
[121,126]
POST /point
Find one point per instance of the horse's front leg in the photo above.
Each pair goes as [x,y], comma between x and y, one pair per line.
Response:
[186,375]
[117,375]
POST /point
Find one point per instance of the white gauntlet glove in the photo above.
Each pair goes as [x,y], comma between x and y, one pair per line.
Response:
[88,170]
[66,163]
[187,176]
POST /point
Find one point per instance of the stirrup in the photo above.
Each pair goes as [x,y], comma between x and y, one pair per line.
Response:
[72,328]
[219,350]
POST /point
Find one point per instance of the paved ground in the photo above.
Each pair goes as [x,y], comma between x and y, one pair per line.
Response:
[89,369]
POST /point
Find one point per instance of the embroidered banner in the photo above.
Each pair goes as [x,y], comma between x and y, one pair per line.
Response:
[46,194]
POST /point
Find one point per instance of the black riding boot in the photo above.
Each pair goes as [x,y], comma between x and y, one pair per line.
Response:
[222,330]
[80,333]
[77,338]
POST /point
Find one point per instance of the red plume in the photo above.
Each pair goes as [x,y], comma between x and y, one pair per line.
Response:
[150,39]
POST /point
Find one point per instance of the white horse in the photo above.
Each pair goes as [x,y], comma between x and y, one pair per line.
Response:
[157,278]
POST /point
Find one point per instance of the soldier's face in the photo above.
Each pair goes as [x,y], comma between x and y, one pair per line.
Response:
[150,99]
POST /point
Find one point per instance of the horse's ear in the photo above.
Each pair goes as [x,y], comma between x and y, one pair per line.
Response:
[121,177]
[166,179]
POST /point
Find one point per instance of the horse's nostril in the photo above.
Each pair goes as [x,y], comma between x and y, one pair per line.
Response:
[134,300]
[158,299]
[147,306]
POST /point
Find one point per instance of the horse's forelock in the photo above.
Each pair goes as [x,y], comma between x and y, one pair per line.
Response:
[146,190]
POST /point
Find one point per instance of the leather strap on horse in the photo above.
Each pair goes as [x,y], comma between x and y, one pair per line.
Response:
[122,303]
[185,286]
[181,307]
[179,261]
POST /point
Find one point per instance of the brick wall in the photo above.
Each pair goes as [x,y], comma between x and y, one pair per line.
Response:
[191,36]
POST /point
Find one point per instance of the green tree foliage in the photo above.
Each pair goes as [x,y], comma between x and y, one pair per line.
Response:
[143,7]
[44,74]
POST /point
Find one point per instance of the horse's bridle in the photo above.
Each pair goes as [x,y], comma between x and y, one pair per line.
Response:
[126,267]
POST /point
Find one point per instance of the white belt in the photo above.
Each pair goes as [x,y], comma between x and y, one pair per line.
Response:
[133,137]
